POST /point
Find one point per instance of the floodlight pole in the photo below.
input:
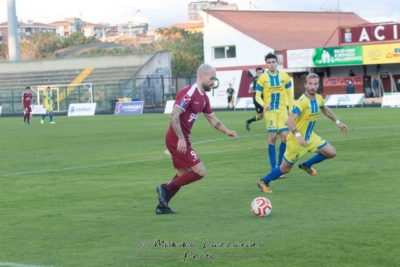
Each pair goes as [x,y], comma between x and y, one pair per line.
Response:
[13,38]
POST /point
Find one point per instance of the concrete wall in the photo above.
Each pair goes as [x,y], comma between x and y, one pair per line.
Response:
[75,63]
[152,90]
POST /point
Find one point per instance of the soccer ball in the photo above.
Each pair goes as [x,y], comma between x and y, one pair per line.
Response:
[261,207]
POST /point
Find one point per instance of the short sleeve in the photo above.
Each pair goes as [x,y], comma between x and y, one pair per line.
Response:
[254,83]
[183,101]
[260,83]
[288,82]
[298,107]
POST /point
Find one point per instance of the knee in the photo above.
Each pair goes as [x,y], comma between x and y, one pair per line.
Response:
[202,172]
[272,140]
[285,168]
[331,155]
[283,138]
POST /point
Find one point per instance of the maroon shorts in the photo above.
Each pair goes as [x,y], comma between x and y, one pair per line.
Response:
[182,161]
[27,109]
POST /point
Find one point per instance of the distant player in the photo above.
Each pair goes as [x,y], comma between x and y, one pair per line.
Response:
[274,93]
[190,102]
[26,104]
[231,98]
[302,138]
[48,101]
[252,92]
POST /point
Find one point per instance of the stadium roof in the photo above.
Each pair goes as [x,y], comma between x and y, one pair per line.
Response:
[289,30]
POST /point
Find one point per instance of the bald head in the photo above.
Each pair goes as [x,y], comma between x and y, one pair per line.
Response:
[204,69]
[206,77]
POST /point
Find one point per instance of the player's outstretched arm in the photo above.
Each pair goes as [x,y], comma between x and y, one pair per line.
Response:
[329,113]
[217,124]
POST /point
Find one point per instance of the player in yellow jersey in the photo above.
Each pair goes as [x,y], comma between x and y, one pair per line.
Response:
[275,94]
[302,138]
[48,100]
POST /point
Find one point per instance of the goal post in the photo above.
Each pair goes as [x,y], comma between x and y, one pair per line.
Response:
[65,94]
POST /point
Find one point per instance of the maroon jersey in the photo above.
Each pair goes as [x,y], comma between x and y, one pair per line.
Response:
[27,99]
[193,103]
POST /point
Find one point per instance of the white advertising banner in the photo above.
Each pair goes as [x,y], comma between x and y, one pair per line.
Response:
[391,100]
[300,58]
[245,103]
[168,106]
[0,109]
[344,100]
[38,109]
[218,97]
[82,109]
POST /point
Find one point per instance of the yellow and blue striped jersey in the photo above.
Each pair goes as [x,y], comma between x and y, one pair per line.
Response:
[276,89]
[307,110]
[48,99]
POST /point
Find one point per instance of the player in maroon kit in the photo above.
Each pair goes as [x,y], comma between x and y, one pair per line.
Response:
[190,102]
[26,104]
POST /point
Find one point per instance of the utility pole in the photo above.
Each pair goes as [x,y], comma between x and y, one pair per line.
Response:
[133,21]
[13,38]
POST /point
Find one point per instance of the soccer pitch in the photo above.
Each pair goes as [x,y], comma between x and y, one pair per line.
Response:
[82,193]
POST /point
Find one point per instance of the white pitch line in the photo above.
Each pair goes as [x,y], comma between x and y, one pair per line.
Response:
[73,168]
[14,264]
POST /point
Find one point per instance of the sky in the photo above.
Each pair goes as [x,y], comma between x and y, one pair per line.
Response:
[161,13]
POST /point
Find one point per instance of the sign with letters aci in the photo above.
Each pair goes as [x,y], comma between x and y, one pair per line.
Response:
[129,108]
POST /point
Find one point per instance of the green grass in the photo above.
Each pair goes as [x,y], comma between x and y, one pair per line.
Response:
[82,193]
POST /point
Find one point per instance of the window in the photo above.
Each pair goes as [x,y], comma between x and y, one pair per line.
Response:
[225,52]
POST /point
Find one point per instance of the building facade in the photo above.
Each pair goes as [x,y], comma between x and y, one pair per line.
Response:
[25,29]
[235,42]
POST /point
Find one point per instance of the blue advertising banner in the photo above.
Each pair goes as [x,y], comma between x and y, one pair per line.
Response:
[129,108]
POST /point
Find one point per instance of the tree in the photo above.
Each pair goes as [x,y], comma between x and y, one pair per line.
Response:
[44,45]
[76,38]
[186,49]
[3,52]
[39,46]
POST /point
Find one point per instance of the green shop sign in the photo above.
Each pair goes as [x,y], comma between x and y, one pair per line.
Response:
[336,56]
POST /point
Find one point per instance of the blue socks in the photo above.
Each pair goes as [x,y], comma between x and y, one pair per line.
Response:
[51,118]
[276,171]
[282,149]
[272,154]
[272,157]
[273,175]
[315,159]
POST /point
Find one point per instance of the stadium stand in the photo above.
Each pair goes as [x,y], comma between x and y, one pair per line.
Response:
[23,79]
[134,76]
